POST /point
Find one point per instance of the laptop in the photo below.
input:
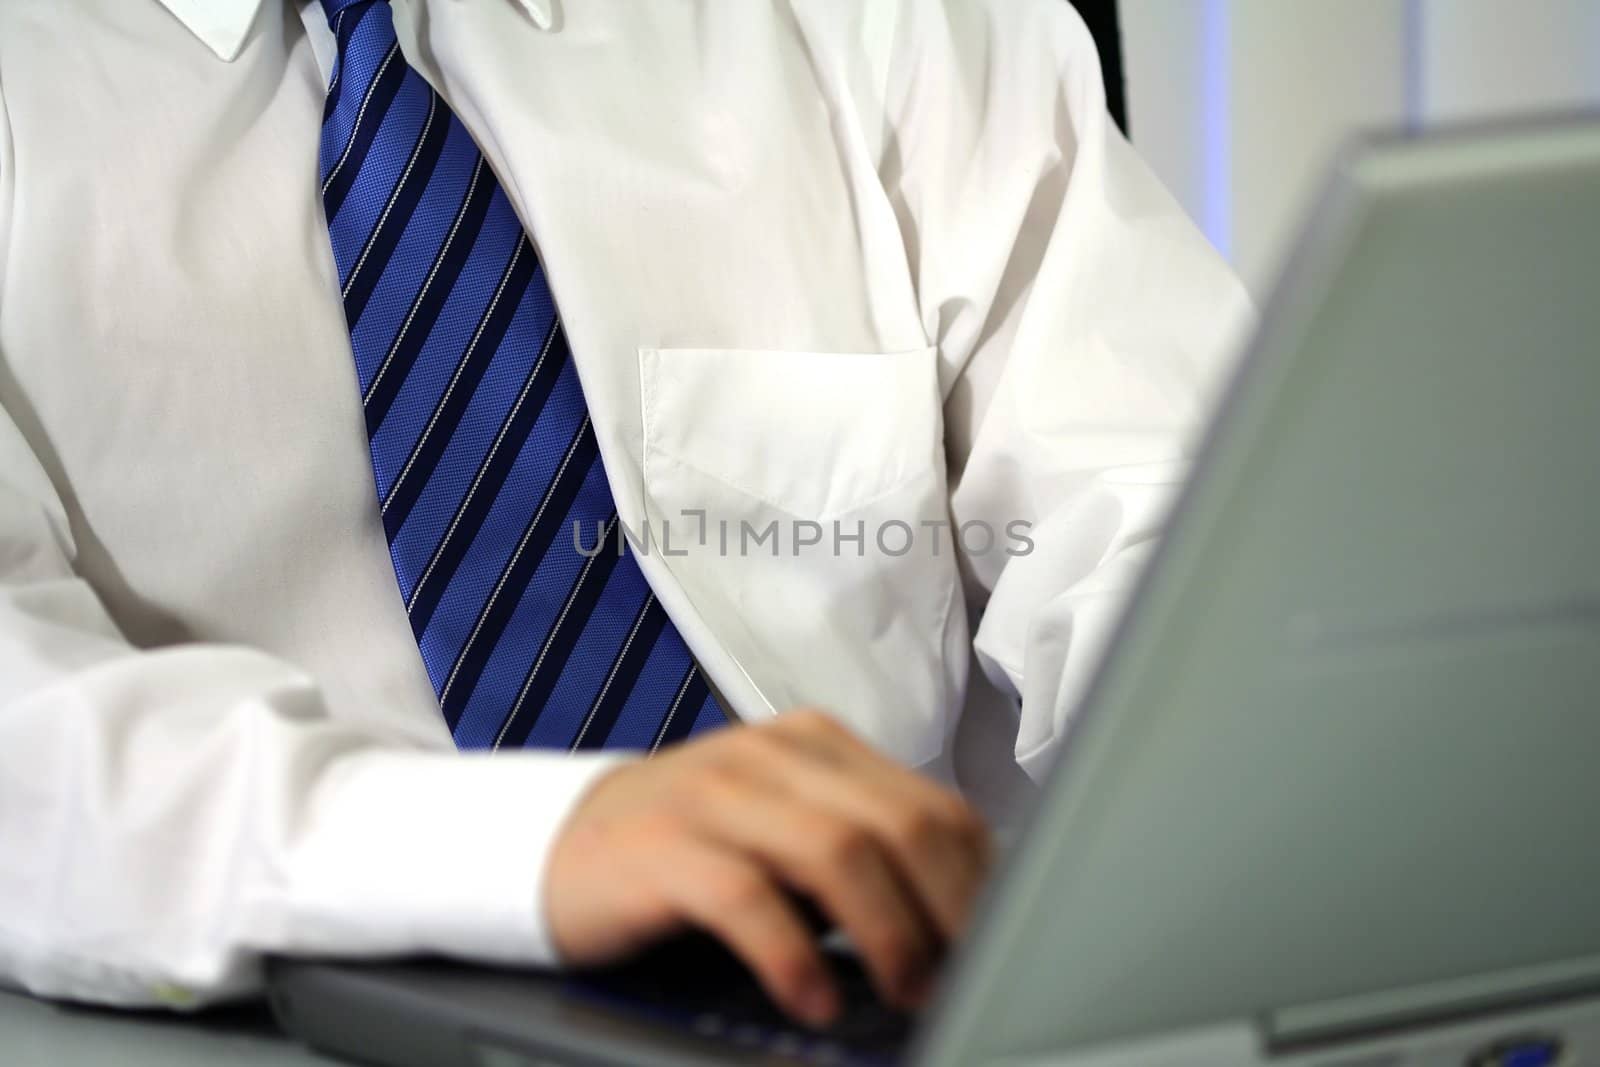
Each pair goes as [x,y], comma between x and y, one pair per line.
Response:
[1332,796]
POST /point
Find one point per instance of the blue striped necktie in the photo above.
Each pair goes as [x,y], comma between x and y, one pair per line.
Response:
[482,445]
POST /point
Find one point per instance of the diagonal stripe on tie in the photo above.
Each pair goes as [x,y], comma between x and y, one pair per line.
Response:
[370,113]
[396,215]
[484,455]
[425,307]
[487,483]
[491,330]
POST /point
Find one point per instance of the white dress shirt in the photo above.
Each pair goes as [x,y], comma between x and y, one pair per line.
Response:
[821,263]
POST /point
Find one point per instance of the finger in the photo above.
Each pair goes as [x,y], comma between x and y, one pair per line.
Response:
[735,900]
[938,845]
[838,745]
[841,866]
[847,748]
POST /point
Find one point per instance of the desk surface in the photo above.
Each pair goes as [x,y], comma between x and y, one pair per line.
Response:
[35,1034]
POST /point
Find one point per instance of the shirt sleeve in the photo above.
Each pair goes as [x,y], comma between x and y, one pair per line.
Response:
[168,816]
[1082,322]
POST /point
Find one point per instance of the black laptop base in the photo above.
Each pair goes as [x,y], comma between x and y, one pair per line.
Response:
[688,1002]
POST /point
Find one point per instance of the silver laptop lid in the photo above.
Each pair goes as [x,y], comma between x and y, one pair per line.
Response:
[1341,770]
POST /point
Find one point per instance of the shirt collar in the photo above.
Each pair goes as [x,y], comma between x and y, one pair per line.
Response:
[224,24]
[221,24]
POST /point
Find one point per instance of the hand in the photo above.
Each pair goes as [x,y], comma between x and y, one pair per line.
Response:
[717,834]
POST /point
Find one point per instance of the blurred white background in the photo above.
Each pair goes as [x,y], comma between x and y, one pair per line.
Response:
[1239,104]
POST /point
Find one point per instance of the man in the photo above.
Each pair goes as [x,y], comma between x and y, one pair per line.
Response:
[872,332]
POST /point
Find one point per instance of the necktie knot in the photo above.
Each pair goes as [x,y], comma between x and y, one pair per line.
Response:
[333,9]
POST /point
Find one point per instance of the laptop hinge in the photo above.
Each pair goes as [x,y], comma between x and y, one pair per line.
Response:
[1294,1029]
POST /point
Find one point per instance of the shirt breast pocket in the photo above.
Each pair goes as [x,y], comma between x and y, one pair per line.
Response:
[799,498]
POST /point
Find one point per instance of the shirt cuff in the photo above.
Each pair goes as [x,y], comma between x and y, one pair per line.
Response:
[407,852]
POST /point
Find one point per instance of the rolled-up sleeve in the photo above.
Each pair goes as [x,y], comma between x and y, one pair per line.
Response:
[1082,320]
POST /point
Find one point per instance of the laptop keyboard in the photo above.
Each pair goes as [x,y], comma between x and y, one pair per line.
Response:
[694,984]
